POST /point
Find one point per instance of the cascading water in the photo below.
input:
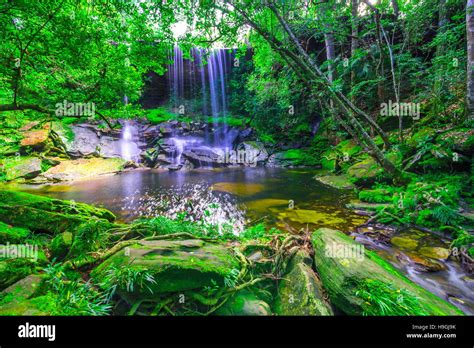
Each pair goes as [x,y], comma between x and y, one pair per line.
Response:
[202,77]
[128,147]
[213,69]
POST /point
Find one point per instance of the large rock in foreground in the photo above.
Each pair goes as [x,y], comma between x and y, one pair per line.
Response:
[168,266]
[244,303]
[359,282]
[44,214]
[19,298]
[300,291]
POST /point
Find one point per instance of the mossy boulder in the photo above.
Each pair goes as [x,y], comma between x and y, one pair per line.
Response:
[83,168]
[20,167]
[404,243]
[44,214]
[17,298]
[14,269]
[244,303]
[329,161]
[364,172]
[367,171]
[359,205]
[61,244]
[174,265]
[336,181]
[36,139]
[255,152]
[338,156]
[10,234]
[359,282]
[435,252]
[300,291]
[306,216]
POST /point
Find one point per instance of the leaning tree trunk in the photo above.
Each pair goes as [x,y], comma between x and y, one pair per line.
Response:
[470,58]
[354,34]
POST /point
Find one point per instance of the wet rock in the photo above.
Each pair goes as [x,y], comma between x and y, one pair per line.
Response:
[203,156]
[166,129]
[109,147]
[36,139]
[404,243]
[277,160]
[359,205]
[85,141]
[150,156]
[168,146]
[163,159]
[336,181]
[244,303]
[174,167]
[435,252]
[173,265]
[350,276]
[81,168]
[245,133]
[255,151]
[20,167]
[379,232]
[29,126]
[425,264]
[300,292]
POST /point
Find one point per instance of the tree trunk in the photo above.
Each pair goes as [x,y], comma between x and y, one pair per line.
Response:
[470,58]
[354,35]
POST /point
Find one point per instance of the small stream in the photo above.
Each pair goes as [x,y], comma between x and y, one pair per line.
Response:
[289,199]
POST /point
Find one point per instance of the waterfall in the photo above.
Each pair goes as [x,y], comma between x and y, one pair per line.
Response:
[213,79]
[202,77]
[128,147]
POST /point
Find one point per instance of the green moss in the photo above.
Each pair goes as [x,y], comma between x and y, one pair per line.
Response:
[375,196]
[346,276]
[16,167]
[10,234]
[61,244]
[336,181]
[300,291]
[46,214]
[14,269]
[244,303]
[173,265]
